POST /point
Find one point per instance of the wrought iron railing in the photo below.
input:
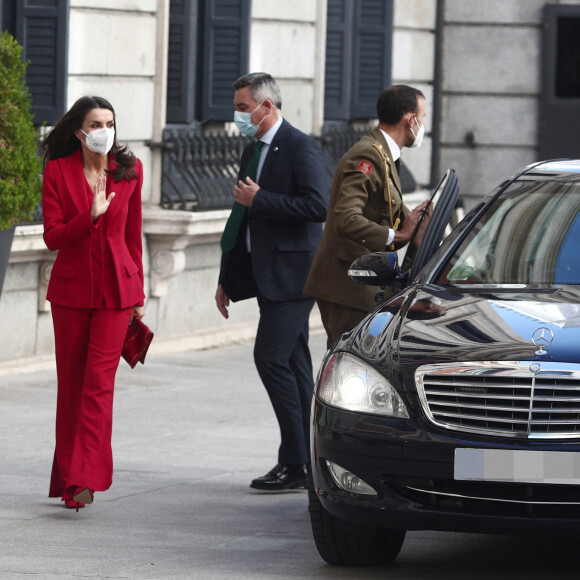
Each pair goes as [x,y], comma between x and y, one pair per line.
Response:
[199,171]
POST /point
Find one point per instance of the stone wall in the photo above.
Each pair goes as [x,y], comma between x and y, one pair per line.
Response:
[490,87]
[414,65]
[25,322]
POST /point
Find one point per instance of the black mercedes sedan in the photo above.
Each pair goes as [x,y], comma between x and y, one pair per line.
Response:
[455,405]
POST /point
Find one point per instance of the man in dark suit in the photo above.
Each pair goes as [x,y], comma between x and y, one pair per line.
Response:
[268,246]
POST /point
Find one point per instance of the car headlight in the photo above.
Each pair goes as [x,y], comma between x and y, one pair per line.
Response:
[349,383]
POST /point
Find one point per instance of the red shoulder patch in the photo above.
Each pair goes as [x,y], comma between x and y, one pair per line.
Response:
[365,167]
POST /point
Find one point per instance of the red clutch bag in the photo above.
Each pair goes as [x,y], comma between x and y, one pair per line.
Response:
[137,341]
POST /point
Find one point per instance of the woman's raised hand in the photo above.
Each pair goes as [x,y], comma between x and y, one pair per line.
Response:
[100,200]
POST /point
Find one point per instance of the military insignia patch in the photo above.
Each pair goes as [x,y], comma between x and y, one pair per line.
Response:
[365,167]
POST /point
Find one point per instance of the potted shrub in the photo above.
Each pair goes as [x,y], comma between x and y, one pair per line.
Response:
[20,165]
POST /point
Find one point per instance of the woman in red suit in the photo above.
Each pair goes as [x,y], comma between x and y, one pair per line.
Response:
[91,200]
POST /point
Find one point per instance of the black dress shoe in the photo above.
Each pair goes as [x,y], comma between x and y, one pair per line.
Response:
[282,477]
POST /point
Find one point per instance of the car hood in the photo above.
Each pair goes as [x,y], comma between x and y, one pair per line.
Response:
[432,324]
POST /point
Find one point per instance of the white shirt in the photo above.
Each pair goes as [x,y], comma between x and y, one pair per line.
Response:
[266,140]
[393,147]
[395,153]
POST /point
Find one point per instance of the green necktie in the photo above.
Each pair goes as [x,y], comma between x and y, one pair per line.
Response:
[232,229]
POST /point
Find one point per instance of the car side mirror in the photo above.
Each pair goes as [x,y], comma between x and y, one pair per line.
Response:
[377,269]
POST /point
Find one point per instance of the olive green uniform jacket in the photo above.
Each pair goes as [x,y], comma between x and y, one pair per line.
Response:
[357,222]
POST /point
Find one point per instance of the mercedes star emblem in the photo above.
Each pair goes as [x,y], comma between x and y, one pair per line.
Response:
[542,337]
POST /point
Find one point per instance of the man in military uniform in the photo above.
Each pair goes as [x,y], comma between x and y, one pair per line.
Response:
[366,212]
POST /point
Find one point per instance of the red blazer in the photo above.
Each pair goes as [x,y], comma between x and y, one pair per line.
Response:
[68,228]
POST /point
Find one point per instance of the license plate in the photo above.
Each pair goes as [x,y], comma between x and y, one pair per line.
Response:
[557,467]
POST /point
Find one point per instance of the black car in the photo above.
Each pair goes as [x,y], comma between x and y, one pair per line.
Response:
[455,405]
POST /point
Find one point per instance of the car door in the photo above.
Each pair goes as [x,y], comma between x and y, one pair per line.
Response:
[444,198]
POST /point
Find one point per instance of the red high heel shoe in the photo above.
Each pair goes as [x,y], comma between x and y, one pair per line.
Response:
[71,504]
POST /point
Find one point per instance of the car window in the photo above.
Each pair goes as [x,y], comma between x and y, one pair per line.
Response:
[528,235]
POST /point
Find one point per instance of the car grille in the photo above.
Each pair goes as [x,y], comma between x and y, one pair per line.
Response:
[506,399]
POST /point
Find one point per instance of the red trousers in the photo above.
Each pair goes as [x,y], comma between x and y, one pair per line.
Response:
[88,346]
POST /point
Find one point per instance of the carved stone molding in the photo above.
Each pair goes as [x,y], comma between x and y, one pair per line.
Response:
[28,245]
[43,280]
[167,259]
[169,233]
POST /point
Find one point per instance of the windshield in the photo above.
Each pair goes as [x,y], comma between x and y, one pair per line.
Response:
[529,235]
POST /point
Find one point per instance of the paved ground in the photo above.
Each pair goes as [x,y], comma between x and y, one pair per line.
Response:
[191,430]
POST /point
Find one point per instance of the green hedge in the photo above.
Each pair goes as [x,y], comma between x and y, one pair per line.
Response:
[20,165]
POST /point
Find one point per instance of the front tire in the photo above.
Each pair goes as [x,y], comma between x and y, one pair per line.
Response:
[338,544]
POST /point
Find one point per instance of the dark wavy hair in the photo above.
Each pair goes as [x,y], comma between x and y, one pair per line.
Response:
[396,101]
[62,141]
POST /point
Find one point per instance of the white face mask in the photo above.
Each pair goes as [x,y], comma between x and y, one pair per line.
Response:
[244,123]
[100,140]
[419,136]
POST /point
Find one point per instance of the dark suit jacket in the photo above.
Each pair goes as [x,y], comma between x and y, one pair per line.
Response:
[68,228]
[285,221]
